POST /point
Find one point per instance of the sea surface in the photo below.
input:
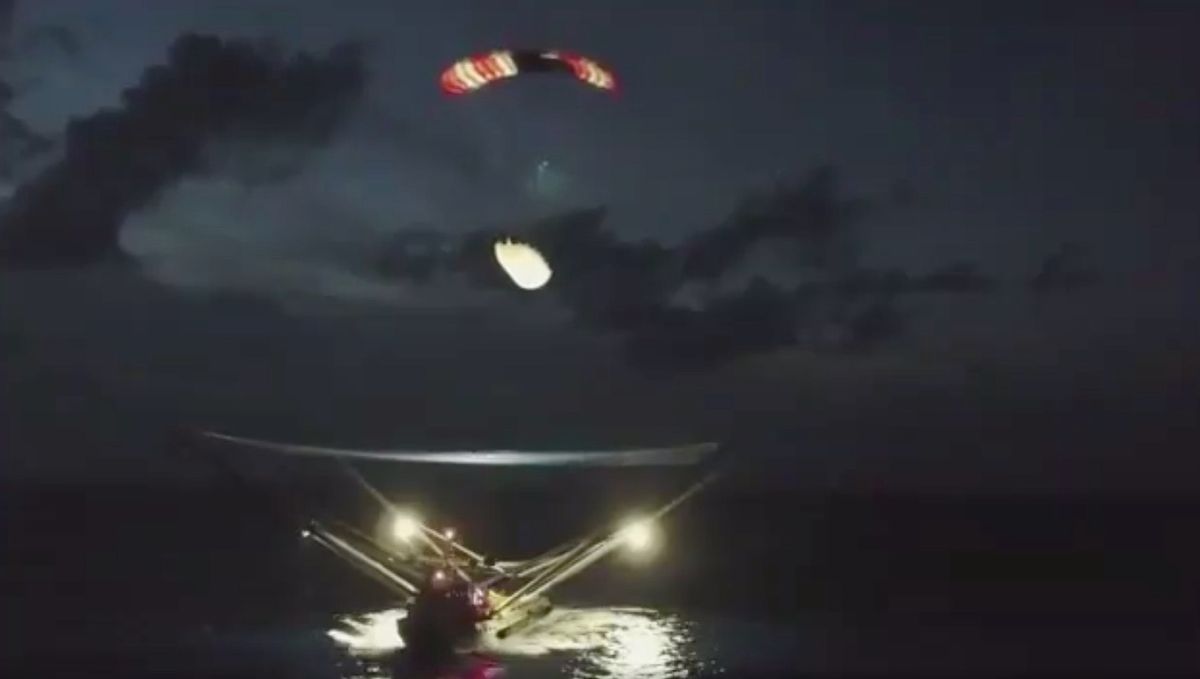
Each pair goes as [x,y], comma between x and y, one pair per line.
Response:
[213,582]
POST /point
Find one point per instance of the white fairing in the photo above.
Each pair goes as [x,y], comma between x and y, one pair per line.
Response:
[523,263]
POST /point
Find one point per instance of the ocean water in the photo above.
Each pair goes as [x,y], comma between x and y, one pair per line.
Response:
[143,582]
[595,643]
[581,643]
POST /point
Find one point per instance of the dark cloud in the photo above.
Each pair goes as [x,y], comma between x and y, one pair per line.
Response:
[961,277]
[811,220]
[860,326]
[760,318]
[120,160]
[958,277]
[18,142]
[415,254]
[682,307]
[1064,269]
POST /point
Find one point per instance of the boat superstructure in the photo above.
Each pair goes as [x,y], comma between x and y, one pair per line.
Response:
[502,597]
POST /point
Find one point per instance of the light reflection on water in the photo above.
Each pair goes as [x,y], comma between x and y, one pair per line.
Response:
[588,643]
[369,636]
[637,643]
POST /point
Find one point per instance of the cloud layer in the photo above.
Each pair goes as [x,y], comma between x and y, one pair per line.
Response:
[714,296]
[205,177]
[118,161]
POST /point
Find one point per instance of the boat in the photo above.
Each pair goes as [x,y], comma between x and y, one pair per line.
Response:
[454,595]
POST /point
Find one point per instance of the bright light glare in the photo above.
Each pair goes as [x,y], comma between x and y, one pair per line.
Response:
[523,264]
[448,533]
[639,535]
[370,636]
[405,527]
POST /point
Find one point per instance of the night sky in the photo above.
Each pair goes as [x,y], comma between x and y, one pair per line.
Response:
[894,245]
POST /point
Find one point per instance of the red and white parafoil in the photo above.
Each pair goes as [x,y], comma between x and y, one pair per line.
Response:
[476,72]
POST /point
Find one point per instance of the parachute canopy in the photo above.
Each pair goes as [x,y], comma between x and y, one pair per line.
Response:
[671,456]
[527,268]
[473,73]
